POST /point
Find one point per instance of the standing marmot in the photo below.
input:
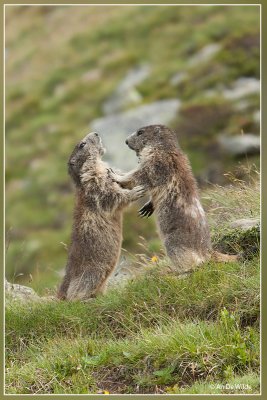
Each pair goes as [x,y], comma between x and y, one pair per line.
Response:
[165,172]
[97,228]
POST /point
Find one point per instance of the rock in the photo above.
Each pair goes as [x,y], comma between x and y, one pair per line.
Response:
[125,271]
[241,105]
[242,238]
[257,117]
[91,75]
[60,90]
[126,94]
[19,292]
[245,223]
[205,54]
[17,184]
[240,144]
[36,164]
[242,87]
[122,274]
[121,101]
[135,76]
[115,128]
[210,93]
[178,78]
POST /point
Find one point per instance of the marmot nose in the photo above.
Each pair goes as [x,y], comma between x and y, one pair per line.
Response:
[126,141]
[96,134]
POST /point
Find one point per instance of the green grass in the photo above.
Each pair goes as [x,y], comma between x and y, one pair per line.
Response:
[159,330]
[142,303]
[238,200]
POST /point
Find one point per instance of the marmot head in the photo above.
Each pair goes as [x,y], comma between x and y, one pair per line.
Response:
[90,148]
[153,136]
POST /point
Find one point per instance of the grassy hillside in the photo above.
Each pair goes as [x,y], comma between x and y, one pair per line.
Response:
[64,62]
[158,334]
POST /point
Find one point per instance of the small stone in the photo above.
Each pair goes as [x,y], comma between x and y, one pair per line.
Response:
[257,116]
[92,75]
[240,144]
[135,76]
[122,274]
[205,54]
[178,78]
[36,164]
[242,87]
[241,105]
[19,292]
[245,223]
[210,93]
[60,90]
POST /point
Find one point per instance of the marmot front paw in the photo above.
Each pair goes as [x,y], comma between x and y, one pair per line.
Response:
[114,177]
[138,192]
[147,210]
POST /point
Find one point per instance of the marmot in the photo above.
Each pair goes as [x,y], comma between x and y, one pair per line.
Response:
[97,227]
[165,172]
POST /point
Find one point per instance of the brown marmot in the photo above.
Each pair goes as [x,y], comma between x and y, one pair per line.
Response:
[97,227]
[165,172]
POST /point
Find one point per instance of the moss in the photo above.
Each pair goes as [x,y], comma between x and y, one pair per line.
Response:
[234,241]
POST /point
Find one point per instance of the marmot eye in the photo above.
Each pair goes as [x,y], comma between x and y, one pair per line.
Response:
[139,132]
[81,145]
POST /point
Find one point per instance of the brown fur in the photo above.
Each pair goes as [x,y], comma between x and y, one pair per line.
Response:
[165,172]
[220,257]
[97,227]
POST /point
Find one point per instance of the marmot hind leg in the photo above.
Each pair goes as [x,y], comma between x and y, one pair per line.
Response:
[63,288]
[87,286]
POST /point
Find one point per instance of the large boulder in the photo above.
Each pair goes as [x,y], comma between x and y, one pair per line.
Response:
[115,128]
[126,94]
[242,87]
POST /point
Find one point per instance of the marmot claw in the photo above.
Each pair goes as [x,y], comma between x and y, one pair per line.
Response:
[112,175]
[110,170]
[147,210]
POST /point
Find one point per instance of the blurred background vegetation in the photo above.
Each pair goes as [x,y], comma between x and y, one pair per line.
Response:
[66,67]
